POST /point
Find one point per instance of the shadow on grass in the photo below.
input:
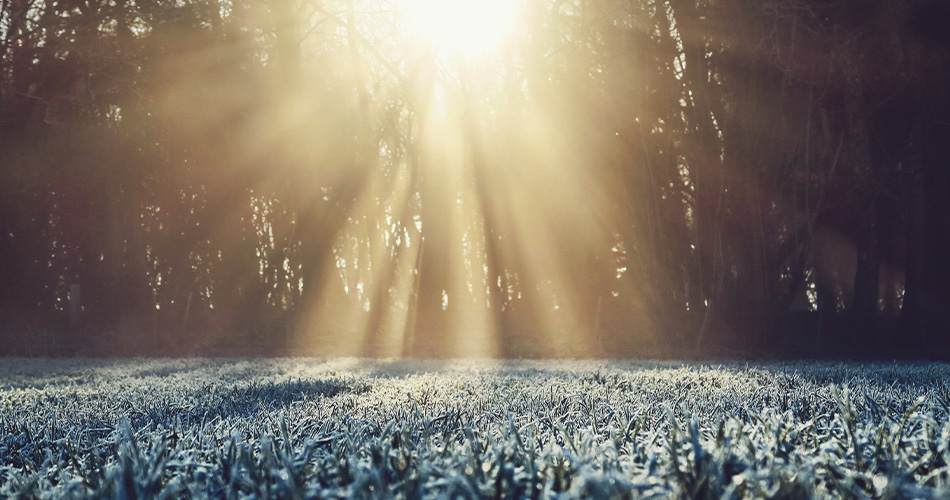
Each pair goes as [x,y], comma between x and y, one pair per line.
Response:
[242,400]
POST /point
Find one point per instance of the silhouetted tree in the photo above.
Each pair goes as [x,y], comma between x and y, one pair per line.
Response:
[674,177]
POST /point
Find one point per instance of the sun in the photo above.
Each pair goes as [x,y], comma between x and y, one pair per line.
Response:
[464,27]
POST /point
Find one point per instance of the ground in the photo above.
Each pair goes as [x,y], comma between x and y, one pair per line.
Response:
[345,428]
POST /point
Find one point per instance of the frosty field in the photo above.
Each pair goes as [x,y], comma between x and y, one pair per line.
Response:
[347,428]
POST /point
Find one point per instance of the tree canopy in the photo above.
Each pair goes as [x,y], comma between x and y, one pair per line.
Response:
[598,178]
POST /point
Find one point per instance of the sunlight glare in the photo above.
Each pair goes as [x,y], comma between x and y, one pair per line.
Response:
[461,26]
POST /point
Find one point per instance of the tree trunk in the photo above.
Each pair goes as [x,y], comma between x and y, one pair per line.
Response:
[862,331]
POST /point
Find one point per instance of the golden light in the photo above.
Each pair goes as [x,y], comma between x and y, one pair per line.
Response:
[479,230]
[462,27]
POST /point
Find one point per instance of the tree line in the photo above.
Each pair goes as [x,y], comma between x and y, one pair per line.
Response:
[618,177]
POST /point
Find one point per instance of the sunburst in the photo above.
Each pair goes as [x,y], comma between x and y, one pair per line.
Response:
[462,27]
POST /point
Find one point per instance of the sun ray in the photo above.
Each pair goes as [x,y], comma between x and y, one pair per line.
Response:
[356,328]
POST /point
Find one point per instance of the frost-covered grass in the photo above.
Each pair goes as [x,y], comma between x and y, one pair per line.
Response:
[299,428]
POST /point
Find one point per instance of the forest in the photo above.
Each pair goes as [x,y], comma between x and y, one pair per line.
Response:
[618,178]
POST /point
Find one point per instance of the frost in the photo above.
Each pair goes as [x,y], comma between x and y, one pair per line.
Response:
[305,428]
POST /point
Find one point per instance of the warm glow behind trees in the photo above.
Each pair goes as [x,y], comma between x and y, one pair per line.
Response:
[519,178]
[468,29]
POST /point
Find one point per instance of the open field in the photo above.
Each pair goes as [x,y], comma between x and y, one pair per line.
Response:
[345,428]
